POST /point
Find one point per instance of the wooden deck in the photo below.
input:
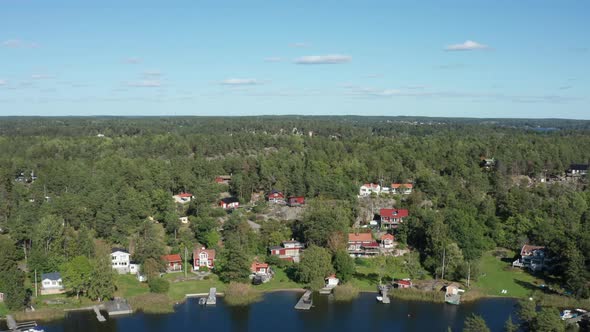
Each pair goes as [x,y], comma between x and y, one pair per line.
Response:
[99,316]
[212,297]
[305,302]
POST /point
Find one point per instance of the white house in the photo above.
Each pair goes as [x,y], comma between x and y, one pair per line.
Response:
[368,188]
[120,260]
[134,268]
[332,281]
[183,198]
[51,283]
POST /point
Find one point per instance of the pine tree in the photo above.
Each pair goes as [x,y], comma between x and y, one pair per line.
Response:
[509,326]
[475,323]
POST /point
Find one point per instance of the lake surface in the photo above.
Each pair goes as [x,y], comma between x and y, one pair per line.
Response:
[276,313]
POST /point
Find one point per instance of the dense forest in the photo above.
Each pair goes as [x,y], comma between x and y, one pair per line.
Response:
[102,178]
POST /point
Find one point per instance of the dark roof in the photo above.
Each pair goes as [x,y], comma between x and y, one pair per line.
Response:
[275,248]
[118,249]
[579,167]
[51,276]
[229,200]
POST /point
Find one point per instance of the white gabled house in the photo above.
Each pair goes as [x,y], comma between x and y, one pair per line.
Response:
[368,188]
[51,283]
[120,260]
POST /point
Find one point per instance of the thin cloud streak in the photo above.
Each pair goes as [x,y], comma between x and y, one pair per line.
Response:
[132,60]
[17,43]
[323,59]
[468,45]
[145,84]
[240,81]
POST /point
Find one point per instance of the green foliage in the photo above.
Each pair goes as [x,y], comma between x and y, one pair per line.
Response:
[102,285]
[315,265]
[475,323]
[548,320]
[158,285]
[105,188]
[77,274]
[510,326]
[527,312]
[344,265]
[324,218]
[234,261]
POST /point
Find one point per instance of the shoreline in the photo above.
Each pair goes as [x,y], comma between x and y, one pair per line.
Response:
[414,295]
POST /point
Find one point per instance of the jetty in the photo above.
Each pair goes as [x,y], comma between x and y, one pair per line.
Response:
[118,307]
[305,302]
[17,327]
[99,315]
[212,297]
[384,297]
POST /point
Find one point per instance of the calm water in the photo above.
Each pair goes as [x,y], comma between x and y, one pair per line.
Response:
[276,313]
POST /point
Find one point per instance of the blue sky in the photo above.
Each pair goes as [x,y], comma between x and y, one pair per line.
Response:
[429,58]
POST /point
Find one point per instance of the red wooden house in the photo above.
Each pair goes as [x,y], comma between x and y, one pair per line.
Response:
[223,179]
[296,200]
[173,262]
[229,203]
[391,218]
[362,244]
[203,257]
[276,196]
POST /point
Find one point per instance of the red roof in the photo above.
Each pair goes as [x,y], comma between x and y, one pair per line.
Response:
[185,195]
[172,258]
[297,199]
[371,185]
[394,213]
[387,237]
[277,194]
[528,249]
[404,282]
[257,266]
[360,237]
[199,249]
[406,185]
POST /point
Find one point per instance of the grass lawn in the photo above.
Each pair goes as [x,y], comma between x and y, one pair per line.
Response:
[128,286]
[3,309]
[279,281]
[178,290]
[497,275]
[366,277]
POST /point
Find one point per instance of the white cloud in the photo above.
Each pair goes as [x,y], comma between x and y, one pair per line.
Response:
[323,59]
[468,45]
[300,45]
[41,76]
[17,43]
[132,60]
[152,73]
[240,81]
[145,84]
[2,82]
[273,59]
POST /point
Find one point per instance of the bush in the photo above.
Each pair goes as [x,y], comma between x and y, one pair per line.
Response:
[158,285]
[346,292]
[203,269]
[238,294]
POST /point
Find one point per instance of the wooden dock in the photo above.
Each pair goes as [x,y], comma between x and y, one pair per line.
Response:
[212,297]
[16,327]
[99,316]
[305,302]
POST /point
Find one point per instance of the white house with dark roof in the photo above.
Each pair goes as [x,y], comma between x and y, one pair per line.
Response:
[51,283]
[120,260]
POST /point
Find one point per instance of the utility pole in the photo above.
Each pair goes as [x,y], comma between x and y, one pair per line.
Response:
[36,294]
[443,263]
[185,255]
[468,273]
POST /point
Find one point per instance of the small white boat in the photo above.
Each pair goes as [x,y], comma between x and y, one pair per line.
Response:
[380,298]
[567,314]
[203,301]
